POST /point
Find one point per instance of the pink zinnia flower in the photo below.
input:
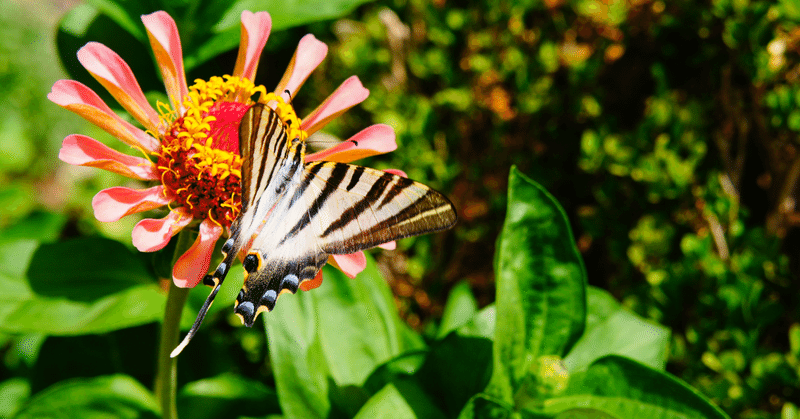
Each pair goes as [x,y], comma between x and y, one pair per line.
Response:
[190,147]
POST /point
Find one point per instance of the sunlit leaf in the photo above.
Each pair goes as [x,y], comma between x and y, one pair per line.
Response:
[331,337]
[116,396]
[610,329]
[540,285]
[225,396]
[624,388]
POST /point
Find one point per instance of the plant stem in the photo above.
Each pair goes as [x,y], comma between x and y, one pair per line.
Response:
[167,368]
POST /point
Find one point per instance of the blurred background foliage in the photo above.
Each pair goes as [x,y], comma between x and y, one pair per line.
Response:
[668,130]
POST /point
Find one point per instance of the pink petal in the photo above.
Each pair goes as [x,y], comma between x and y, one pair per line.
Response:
[310,52]
[373,140]
[313,283]
[388,246]
[397,172]
[166,46]
[152,234]
[351,264]
[349,94]
[78,98]
[193,265]
[81,150]
[116,76]
[114,203]
[255,31]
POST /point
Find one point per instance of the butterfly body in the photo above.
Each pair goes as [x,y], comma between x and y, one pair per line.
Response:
[296,214]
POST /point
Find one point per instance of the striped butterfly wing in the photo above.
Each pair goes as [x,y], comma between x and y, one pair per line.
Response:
[334,208]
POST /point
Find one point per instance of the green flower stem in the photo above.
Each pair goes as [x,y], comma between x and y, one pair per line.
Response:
[166,384]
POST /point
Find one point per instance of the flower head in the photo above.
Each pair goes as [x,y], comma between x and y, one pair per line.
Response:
[188,149]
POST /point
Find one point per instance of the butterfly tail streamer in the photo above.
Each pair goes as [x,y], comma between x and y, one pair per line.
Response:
[200,316]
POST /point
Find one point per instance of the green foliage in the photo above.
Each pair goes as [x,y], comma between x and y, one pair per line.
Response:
[668,130]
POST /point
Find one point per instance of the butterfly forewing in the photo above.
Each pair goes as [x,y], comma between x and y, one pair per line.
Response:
[355,208]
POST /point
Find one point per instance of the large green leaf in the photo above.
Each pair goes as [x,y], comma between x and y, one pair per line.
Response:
[89,285]
[610,329]
[325,340]
[116,396]
[541,302]
[625,388]
[85,269]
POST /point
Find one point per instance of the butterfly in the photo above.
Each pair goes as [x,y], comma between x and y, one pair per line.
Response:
[295,215]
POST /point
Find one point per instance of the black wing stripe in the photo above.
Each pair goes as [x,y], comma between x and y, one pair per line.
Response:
[356,176]
[313,169]
[400,183]
[269,134]
[362,205]
[332,183]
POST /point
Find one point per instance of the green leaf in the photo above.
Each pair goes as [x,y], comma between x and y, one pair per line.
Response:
[612,330]
[625,388]
[116,396]
[85,269]
[484,406]
[82,286]
[541,302]
[332,337]
[404,366]
[226,395]
[461,307]
[400,399]
[481,325]
[13,393]
[387,403]
[457,368]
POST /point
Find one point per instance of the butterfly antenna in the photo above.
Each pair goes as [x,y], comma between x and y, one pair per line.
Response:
[200,316]
[288,93]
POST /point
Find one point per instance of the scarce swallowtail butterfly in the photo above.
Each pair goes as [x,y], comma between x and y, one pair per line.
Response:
[295,214]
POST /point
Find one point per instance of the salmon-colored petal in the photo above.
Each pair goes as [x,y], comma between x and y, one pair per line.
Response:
[193,265]
[312,283]
[78,98]
[166,44]
[351,264]
[397,172]
[389,246]
[81,150]
[114,203]
[310,52]
[255,31]
[153,234]
[371,141]
[116,76]
[349,94]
